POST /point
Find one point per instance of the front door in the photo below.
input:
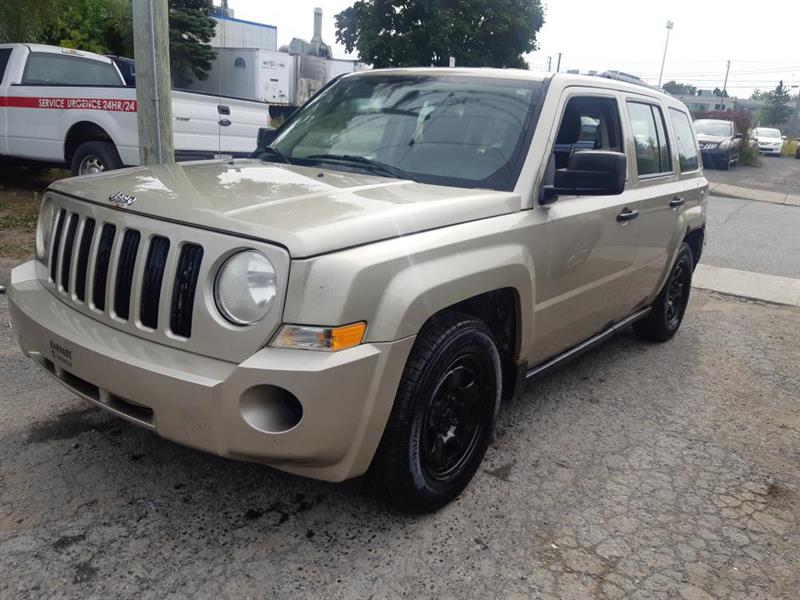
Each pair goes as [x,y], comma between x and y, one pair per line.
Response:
[592,239]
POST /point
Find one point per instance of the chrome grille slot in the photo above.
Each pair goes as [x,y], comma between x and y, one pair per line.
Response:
[183,291]
[101,266]
[125,266]
[150,278]
[57,244]
[66,257]
[152,281]
[83,259]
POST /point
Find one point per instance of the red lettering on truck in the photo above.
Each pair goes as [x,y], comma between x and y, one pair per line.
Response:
[109,104]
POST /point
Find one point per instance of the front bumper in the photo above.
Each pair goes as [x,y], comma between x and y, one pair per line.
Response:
[770,149]
[213,405]
[716,157]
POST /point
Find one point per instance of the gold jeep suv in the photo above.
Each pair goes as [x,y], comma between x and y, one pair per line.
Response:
[399,256]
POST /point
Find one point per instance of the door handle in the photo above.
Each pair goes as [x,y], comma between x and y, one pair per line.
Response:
[224,122]
[627,215]
[676,202]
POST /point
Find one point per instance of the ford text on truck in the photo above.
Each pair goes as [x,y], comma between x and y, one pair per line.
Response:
[409,248]
[60,106]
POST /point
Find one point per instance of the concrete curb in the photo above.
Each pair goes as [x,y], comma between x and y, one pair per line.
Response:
[746,284]
[743,193]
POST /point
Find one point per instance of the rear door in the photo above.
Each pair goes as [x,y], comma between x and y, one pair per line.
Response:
[592,238]
[239,122]
[662,193]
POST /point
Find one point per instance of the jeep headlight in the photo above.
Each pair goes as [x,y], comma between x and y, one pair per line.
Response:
[245,288]
[44,227]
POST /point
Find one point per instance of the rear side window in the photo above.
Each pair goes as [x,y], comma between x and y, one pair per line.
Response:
[650,139]
[57,69]
[5,54]
[687,144]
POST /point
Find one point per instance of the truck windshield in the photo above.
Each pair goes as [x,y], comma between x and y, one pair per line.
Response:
[447,130]
[713,127]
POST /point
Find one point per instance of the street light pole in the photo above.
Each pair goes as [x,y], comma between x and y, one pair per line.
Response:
[664,59]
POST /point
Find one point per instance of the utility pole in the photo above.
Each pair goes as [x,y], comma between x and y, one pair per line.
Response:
[153,85]
[549,63]
[670,24]
[725,85]
[558,64]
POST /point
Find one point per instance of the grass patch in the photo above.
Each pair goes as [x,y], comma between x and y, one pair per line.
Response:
[790,148]
[749,156]
[18,215]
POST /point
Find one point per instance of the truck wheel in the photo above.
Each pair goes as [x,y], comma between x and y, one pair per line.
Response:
[664,320]
[443,415]
[95,157]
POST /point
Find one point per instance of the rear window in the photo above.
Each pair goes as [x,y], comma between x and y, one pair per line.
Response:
[687,145]
[57,69]
[5,54]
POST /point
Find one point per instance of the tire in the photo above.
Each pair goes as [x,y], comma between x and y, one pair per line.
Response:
[452,381]
[95,157]
[667,312]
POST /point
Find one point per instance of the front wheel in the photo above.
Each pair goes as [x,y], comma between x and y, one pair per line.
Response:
[667,311]
[443,415]
[95,157]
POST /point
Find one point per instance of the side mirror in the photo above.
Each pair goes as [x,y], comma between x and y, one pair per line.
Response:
[589,173]
[738,136]
[265,136]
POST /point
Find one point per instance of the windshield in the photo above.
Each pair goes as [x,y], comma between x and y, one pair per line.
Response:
[764,132]
[712,127]
[447,130]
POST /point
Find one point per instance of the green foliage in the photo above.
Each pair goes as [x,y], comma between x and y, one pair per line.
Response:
[679,89]
[757,95]
[749,156]
[720,93]
[777,110]
[190,30]
[493,33]
[105,27]
[101,26]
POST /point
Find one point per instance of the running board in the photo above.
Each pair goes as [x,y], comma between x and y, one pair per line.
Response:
[585,345]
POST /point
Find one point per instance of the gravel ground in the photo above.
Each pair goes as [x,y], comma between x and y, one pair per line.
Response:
[637,471]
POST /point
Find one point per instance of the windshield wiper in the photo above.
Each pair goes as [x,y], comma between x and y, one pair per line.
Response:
[362,161]
[273,151]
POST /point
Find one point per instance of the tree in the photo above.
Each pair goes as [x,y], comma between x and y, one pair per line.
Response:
[393,33]
[679,89]
[720,93]
[191,28]
[757,95]
[776,109]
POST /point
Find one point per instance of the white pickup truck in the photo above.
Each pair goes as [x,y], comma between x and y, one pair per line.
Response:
[67,107]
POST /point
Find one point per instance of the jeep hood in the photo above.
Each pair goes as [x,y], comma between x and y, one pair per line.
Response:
[307,210]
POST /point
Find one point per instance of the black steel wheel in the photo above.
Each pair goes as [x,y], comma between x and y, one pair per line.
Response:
[443,415]
[669,307]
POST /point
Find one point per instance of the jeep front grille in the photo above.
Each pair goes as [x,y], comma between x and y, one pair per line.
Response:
[124,262]
[152,279]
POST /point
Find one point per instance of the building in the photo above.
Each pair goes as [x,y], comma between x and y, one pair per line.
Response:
[238,33]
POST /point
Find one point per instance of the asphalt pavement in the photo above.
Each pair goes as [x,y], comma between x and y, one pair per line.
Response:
[638,471]
[753,236]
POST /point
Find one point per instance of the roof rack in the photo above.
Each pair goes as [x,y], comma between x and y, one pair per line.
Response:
[626,77]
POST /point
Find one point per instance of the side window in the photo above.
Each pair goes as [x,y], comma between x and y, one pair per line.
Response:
[57,69]
[687,145]
[5,54]
[649,137]
[588,123]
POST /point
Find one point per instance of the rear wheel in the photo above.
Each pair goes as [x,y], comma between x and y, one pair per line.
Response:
[667,311]
[443,415]
[95,157]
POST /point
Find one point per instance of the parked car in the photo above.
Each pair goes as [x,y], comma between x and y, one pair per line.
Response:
[768,140]
[719,143]
[409,248]
[68,107]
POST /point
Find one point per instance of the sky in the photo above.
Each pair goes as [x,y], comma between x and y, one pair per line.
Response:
[760,39]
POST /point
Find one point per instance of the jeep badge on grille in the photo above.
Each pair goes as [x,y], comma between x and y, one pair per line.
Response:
[122,199]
